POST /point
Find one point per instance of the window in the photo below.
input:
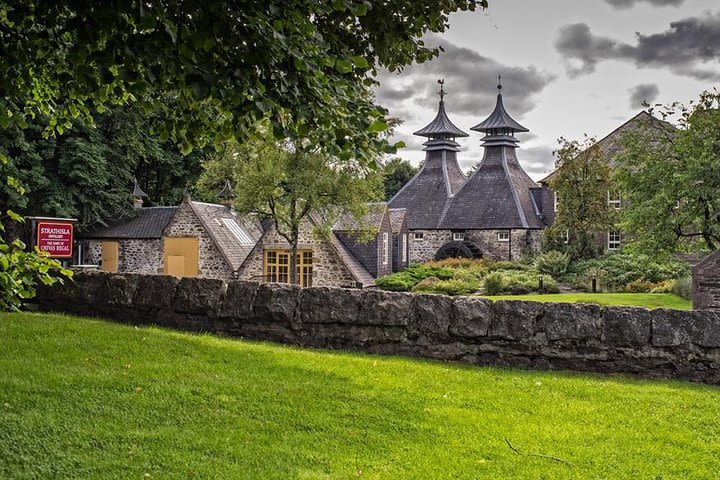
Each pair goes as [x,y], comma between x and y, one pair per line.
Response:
[458,236]
[614,199]
[613,242]
[503,236]
[277,266]
[418,235]
[386,247]
[403,247]
[555,202]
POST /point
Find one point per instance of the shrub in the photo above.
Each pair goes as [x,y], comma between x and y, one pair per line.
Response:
[639,286]
[507,265]
[493,283]
[553,263]
[665,286]
[396,282]
[404,281]
[683,287]
[426,285]
[618,270]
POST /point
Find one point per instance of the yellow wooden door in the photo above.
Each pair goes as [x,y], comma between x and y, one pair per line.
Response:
[181,256]
[109,256]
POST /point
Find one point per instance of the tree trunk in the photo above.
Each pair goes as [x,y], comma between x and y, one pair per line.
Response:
[293,262]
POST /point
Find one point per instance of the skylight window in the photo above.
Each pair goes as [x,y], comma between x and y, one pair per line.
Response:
[239,233]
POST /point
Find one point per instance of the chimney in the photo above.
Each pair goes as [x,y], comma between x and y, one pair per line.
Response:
[137,195]
[226,195]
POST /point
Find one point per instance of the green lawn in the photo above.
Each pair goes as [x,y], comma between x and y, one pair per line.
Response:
[647,300]
[89,399]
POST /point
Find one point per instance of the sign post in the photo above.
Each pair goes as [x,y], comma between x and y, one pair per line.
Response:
[55,238]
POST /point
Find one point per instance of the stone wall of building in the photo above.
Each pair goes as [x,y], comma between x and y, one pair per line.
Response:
[706,282]
[211,262]
[521,241]
[134,255]
[657,343]
[328,268]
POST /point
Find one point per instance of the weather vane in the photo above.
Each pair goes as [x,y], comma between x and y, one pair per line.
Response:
[442,90]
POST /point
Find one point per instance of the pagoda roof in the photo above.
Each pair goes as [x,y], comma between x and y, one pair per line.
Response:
[499,119]
[441,126]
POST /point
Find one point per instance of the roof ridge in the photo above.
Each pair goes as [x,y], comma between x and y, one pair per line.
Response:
[521,212]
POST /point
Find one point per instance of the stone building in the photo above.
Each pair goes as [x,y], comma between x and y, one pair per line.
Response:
[197,239]
[496,213]
[370,239]
[610,147]
[401,238]
[706,283]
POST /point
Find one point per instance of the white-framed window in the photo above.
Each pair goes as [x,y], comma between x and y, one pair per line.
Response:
[386,247]
[458,236]
[403,247]
[555,202]
[613,240]
[418,235]
[614,199]
[503,236]
[566,236]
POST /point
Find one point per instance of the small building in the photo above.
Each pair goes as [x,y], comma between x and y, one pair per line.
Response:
[369,239]
[706,283]
[198,239]
[497,213]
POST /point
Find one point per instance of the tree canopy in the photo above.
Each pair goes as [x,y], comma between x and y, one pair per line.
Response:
[581,183]
[671,180]
[307,66]
[397,173]
[286,185]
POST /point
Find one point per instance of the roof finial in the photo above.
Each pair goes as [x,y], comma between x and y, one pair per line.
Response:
[499,82]
[441,81]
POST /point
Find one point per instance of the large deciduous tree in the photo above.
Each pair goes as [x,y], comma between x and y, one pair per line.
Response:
[286,185]
[581,183]
[671,180]
[307,66]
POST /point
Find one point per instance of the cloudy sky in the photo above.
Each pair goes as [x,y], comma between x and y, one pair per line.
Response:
[569,68]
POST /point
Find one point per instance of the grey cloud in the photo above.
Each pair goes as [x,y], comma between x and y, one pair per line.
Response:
[537,161]
[682,48]
[624,4]
[470,82]
[643,93]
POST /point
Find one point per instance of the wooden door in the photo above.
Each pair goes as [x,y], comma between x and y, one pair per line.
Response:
[181,256]
[109,256]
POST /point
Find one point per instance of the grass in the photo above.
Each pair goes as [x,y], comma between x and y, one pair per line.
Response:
[647,300]
[89,399]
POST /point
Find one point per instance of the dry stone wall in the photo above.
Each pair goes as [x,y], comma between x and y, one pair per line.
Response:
[657,343]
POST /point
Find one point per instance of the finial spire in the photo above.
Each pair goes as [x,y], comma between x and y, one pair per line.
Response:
[499,83]
[441,81]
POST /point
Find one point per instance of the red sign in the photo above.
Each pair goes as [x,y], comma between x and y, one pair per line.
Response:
[56,238]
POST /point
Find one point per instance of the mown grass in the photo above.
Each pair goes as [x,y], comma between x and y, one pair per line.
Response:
[647,300]
[90,399]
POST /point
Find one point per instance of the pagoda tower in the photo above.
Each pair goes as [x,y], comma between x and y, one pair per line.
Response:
[426,195]
[499,195]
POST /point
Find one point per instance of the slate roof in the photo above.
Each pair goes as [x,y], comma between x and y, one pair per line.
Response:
[499,119]
[220,222]
[142,223]
[611,144]
[441,126]
[498,195]
[397,218]
[372,219]
[426,195]
[360,273]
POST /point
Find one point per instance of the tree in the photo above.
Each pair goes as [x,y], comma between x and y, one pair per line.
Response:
[581,185]
[398,172]
[307,66]
[287,185]
[671,180]
[87,172]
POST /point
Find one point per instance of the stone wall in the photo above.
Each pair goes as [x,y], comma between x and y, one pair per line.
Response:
[657,343]
[522,240]
[706,282]
[134,255]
